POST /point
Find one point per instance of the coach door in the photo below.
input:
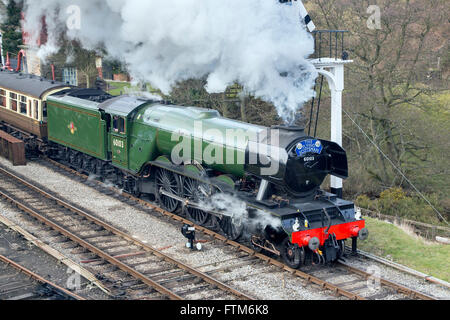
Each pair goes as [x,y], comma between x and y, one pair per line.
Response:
[119,146]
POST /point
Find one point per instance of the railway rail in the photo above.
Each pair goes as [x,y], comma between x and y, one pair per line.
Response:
[349,289]
[402,268]
[155,276]
[410,293]
[19,283]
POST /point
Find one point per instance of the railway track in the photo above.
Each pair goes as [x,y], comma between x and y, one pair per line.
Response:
[362,255]
[19,283]
[353,289]
[132,268]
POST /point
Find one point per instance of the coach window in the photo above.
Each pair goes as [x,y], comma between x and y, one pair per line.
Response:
[23,104]
[119,124]
[36,109]
[13,101]
[44,111]
[2,98]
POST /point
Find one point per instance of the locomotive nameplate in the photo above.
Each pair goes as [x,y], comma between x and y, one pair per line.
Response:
[309,146]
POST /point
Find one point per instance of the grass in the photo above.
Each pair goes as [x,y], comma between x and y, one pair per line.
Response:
[387,240]
[119,87]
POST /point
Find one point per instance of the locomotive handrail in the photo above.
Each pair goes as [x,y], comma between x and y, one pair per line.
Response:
[329,220]
[337,207]
[304,216]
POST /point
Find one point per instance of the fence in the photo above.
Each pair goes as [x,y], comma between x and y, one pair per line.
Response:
[424,230]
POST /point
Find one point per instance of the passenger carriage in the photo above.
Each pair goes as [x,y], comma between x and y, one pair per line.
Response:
[23,102]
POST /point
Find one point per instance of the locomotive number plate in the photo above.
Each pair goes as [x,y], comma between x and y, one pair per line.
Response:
[118,143]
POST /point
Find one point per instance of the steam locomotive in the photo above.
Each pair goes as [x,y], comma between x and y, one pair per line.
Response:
[184,157]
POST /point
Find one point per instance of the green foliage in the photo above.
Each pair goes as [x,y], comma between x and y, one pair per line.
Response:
[117,67]
[397,202]
[364,201]
[11,28]
[393,195]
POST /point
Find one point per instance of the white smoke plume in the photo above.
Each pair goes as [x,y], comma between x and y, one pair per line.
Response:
[260,44]
[3,15]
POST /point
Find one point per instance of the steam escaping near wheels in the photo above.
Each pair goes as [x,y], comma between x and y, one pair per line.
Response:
[237,210]
[260,44]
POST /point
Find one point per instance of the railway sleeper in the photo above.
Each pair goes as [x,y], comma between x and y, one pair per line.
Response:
[169,276]
[191,291]
[128,251]
[109,245]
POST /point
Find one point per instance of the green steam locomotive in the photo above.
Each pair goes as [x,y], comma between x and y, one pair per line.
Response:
[187,159]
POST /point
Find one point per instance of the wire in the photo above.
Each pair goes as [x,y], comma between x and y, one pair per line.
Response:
[318,107]
[312,109]
[396,168]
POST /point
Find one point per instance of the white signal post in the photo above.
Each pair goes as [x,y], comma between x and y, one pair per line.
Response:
[333,70]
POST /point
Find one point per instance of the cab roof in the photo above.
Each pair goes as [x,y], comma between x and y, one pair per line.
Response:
[123,105]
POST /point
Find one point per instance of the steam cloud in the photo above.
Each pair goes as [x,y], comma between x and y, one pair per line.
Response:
[260,44]
[237,209]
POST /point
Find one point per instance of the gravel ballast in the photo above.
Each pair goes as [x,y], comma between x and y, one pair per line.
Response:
[160,234]
[265,282]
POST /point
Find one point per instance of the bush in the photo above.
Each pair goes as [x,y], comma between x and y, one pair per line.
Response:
[394,195]
[364,201]
[396,202]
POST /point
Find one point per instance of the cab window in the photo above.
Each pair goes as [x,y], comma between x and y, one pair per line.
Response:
[118,124]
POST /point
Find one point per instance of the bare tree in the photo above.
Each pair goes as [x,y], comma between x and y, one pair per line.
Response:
[387,75]
[85,63]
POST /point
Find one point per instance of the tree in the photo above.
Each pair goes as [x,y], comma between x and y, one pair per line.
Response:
[230,104]
[11,28]
[388,79]
[85,63]
[71,54]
